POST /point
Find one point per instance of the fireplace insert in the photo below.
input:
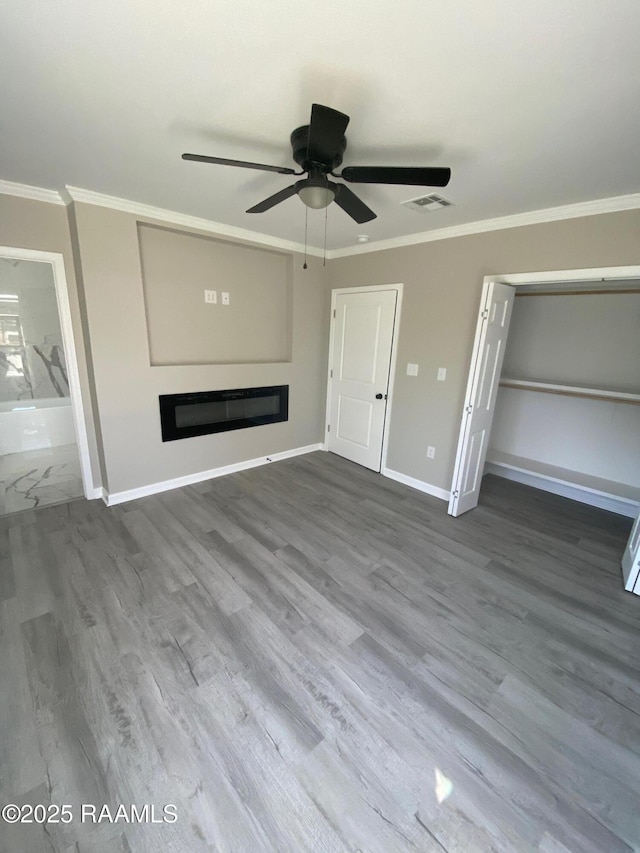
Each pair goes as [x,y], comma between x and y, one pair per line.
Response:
[204,412]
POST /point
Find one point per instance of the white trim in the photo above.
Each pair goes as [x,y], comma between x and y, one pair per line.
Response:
[614,204]
[599,274]
[189,479]
[399,288]
[34,193]
[583,494]
[517,220]
[64,309]
[420,485]
[185,220]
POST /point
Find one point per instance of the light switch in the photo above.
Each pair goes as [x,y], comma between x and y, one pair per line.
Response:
[211,296]
[442,374]
[225,298]
[412,369]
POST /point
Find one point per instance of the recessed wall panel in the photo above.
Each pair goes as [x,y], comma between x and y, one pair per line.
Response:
[178,267]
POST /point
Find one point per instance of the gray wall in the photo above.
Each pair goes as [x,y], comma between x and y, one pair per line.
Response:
[590,339]
[29,224]
[593,437]
[443,281]
[177,268]
[127,385]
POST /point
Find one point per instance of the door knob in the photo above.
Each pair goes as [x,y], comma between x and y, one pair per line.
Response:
[378,396]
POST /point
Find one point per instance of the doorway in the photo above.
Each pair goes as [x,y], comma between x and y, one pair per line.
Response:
[362,355]
[44,455]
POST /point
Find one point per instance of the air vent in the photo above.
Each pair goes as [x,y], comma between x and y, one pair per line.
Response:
[427,202]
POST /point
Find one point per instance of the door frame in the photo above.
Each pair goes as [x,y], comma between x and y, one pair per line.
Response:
[604,275]
[56,260]
[392,364]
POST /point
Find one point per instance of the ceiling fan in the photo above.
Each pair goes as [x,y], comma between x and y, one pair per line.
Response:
[318,148]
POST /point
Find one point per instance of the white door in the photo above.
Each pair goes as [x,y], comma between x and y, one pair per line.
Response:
[631,560]
[363,326]
[480,400]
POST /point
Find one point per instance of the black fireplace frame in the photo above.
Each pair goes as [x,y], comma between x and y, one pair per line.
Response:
[172,431]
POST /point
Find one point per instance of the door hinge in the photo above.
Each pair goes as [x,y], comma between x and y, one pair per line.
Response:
[328,427]
[334,313]
[331,374]
[456,493]
[469,409]
[485,313]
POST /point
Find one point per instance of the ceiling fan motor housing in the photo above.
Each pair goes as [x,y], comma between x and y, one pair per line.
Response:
[299,144]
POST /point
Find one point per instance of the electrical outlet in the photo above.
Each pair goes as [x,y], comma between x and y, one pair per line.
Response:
[225,298]
[431,452]
[412,370]
[442,374]
[211,296]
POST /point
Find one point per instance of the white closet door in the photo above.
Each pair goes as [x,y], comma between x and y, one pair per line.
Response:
[631,560]
[482,390]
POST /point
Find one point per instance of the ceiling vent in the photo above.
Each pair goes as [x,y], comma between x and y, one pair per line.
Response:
[427,202]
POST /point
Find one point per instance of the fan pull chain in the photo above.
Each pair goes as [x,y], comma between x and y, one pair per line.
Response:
[324,257]
[306,222]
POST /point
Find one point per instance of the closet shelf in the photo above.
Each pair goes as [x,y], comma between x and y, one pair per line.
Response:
[571,390]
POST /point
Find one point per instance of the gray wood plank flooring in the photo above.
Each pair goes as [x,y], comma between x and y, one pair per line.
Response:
[310,657]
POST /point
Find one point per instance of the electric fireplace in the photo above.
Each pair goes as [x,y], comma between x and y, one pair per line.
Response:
[204,412]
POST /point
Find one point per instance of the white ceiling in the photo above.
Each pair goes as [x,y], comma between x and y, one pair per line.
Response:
[532,104]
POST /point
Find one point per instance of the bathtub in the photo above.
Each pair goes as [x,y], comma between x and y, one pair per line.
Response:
[35,424]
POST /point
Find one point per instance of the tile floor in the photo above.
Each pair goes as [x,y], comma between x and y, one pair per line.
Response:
[36,478]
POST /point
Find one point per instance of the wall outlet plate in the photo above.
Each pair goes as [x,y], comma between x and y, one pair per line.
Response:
[442,374]
[431,452]
[211,296]
[412,369]
[225,298]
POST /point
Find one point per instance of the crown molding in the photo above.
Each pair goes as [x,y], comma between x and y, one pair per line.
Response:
[27,191]
[76,194]
[534,217]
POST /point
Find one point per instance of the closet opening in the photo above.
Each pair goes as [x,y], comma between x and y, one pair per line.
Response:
[553,396]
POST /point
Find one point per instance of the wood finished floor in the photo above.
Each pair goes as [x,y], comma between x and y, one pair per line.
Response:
[310,657]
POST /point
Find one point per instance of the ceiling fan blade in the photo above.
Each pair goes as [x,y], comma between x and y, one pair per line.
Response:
[274,199]
[351,204]
[202,158]
[431,176]
[326,131]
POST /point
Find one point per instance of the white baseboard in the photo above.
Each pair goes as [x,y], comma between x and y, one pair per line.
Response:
[95,493]
[420,485]
[583,494]
[189,479]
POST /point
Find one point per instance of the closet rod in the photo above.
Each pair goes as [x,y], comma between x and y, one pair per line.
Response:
[609,292]
[569,391]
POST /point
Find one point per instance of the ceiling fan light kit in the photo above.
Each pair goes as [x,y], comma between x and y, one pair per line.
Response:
[316,193]
[318,148]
